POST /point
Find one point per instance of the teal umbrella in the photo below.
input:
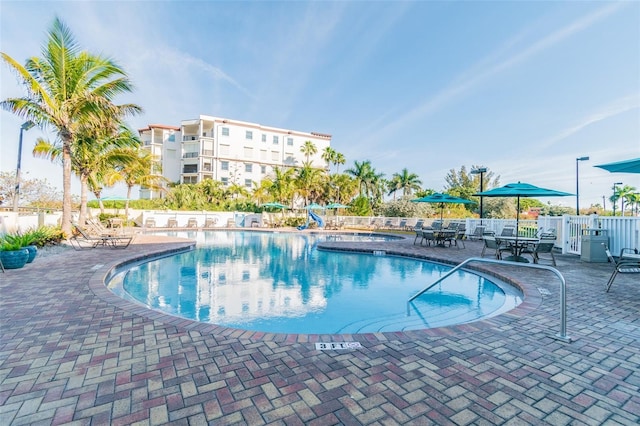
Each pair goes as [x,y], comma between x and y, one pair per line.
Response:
[275,205]
[314,206]
[336,206]
[441,199]
[626,166]
[521,190]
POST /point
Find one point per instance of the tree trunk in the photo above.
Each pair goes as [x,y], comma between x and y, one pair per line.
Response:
[126,203]
[66,186]
[84,189]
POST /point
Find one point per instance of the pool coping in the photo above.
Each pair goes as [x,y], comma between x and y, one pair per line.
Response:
[532,299]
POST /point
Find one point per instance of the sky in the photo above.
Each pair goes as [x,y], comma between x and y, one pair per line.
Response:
[520,87]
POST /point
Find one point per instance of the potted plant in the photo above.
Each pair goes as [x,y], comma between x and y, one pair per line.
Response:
[12,252]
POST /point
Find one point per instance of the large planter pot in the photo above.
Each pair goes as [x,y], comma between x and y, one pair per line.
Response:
[33,251]
[14,259]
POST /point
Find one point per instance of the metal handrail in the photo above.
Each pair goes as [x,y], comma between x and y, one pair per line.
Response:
[563,288]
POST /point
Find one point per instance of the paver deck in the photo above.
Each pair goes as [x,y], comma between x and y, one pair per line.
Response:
[73,353]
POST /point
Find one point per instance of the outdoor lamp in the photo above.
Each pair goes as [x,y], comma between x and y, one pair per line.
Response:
[16,196]
[613,199]
[481,171]
[577,186]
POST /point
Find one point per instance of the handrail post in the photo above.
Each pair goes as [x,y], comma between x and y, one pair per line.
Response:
[562,335]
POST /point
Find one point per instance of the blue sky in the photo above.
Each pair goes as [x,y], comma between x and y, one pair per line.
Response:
[522,88]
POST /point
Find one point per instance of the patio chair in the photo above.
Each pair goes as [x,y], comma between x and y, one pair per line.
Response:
[460,237]
[490,243]
[192,222]
[508,231]
[419,224]
[150,223]
[545,245]
[172,223]
[429,236]
[627,263]
[402,224]
[478,232]
[436,225]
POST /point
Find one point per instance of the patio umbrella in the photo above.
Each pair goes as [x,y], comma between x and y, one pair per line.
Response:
[336,206]
[275,205]
[519,190]
[441,199]
[626,166]
[314,206]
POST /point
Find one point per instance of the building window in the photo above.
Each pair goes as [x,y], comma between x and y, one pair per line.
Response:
[263,170]
[248,152]
[172,137]
[190,179]
[225,131]
[275,140]
[290,141]
[248,168]
[275,156]
[248,183]
[249,135]
[224,165]
[264,137]
[225,181]
[224,149]
[190,168]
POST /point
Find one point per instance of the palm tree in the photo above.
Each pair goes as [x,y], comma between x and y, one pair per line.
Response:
[308,149]
[405,181]
[309,182]
[67,89]
[283,188]
[367,178]
[136,167]
[329,155]
[340,159]
[626,193]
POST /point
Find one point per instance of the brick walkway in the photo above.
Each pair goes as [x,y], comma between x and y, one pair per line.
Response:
[72,353]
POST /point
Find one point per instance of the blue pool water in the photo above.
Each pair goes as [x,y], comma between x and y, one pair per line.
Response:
[280,283]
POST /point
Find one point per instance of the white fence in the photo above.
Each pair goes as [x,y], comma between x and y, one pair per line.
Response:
[621,232]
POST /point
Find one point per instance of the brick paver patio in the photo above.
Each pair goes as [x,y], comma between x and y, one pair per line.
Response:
[73,353]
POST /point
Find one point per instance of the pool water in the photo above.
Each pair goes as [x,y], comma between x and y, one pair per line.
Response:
[280,283]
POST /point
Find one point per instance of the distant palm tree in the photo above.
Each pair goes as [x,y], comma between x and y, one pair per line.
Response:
[329,155]
[407,182]
[308,149]
[367,178]
[67,89]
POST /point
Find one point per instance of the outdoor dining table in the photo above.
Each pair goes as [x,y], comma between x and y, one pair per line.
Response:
[517,246]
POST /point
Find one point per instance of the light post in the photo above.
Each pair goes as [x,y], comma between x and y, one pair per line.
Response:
[577,185]
[613,199]
[16,196]
[480,171]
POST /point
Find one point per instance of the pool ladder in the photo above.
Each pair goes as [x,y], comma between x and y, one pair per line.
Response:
[563,288]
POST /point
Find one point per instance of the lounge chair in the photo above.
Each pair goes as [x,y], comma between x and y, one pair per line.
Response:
[627,263]
[172,223]
[460,237]
[84,239]
[490,243]
[150,223]
[419,225]
[210,222]
[478,232]
[402,225]
[192,222]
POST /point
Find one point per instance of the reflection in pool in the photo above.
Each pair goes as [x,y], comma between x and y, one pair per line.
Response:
[280,282]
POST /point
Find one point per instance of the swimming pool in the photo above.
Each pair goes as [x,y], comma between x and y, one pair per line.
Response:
[281,283]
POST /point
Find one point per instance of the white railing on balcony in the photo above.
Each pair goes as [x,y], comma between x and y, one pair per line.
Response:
[190,155]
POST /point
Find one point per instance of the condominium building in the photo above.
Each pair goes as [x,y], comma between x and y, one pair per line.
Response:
[230,151]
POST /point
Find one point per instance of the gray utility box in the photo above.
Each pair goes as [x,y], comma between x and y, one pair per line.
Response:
[592,249]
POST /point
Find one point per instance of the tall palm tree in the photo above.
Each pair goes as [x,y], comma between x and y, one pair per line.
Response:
[283,188]
[367,178]
[136,167]
[308,149]
[309,182]
[407,182]
[67,89]
[626,194]
[339,160]
[329,155]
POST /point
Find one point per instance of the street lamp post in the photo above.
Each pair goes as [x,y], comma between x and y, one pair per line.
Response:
[613,199]
[16,196]
[577,185]
[480,171]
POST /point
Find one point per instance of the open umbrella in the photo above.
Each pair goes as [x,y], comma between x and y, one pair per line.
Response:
[521,190]
[275,205]
[626,166]
[441,199]
[314,206]
[336,206]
